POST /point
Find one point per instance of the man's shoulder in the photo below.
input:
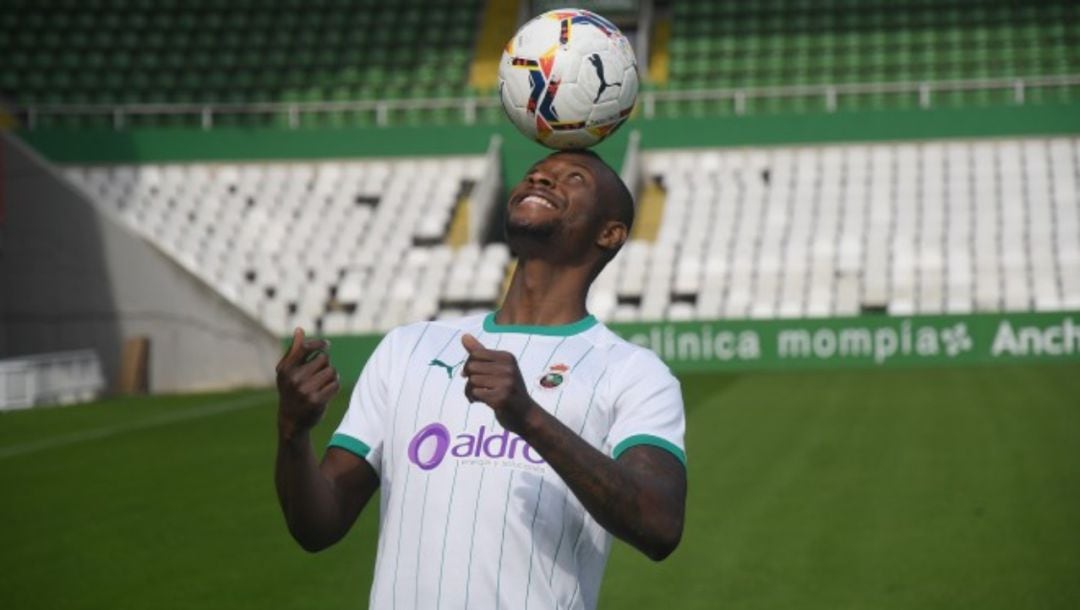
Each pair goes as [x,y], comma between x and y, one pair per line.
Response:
[629,366]
[623,352]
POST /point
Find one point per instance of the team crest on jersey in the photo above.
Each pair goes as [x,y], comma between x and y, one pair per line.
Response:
[554,377]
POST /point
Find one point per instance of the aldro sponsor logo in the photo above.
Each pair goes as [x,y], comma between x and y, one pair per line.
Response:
[433,444]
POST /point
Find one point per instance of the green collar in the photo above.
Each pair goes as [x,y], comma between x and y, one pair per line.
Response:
[562,330]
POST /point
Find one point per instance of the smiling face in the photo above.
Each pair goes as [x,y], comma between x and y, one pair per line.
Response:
[567,208]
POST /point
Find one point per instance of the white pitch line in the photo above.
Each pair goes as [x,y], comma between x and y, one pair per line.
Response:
[154,422]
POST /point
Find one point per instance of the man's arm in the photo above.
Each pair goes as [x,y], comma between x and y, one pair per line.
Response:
[320,501]
[640,498]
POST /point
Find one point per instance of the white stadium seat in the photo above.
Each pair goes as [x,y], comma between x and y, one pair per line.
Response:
[930,227]
[253,230]
[359,246]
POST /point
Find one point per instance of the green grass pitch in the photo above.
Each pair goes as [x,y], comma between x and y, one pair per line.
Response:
[944,488]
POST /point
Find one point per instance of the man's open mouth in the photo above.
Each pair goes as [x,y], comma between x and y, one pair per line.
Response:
[538,200]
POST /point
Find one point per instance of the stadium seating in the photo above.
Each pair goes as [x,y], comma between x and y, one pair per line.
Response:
[354,245]
[795,42]
[164,51]
[920,227]
[153,52]
[932,227]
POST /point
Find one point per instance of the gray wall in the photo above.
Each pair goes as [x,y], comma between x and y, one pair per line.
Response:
[73,277]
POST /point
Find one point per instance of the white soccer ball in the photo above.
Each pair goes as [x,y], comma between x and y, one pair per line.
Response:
[568,78]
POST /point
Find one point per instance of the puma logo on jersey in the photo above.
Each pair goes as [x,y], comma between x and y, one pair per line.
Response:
[449,367]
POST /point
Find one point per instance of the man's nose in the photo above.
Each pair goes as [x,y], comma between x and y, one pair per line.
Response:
[539,177]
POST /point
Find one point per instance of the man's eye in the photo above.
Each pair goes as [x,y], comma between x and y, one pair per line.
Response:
[575,177]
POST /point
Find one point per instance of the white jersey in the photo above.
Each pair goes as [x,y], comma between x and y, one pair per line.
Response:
[470,515]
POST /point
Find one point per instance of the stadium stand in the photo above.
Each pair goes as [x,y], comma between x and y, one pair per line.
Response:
[162,62]
[357,245]
[794,42]
[116,52]
[927,227]
[819,230]
[952,226]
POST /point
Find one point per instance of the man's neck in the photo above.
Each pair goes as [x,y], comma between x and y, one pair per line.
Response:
[542,294]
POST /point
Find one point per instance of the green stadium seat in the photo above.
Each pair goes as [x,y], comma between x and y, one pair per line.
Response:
[850,41]
[124,50]
[10,81]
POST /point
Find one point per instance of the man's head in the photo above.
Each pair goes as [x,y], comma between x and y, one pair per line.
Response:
[571,207]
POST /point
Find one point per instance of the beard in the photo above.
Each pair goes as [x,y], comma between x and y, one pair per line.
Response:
[536,231]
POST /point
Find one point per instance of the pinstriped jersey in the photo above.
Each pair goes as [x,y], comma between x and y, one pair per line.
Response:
[470,515]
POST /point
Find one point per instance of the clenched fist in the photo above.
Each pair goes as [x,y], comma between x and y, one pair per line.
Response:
[495,380]
[305,384]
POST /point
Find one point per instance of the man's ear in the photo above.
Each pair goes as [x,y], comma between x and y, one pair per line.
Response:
[612,236]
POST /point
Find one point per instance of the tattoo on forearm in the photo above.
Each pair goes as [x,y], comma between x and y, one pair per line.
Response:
[639,498]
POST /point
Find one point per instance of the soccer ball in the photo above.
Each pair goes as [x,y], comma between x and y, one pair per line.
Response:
[568,79]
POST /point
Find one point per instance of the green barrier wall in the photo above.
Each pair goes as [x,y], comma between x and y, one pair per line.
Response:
[867,341]
[234,143]
[859,342]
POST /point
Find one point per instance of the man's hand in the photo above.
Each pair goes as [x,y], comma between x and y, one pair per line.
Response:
[640,498]
[495,379]
[320,501]
[305,385]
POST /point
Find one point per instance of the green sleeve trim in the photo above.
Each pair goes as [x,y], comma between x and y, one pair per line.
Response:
[648,439]
[350,444]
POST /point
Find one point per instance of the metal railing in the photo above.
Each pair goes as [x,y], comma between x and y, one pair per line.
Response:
[468,107]
[380,110]
[831,93]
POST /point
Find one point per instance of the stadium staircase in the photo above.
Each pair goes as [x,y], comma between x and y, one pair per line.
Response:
[649,212]
[499,22]
[659,53]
